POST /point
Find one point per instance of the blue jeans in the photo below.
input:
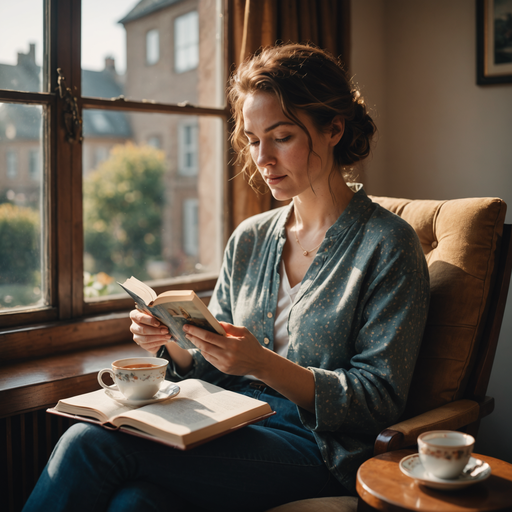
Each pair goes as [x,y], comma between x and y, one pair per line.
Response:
[255,468]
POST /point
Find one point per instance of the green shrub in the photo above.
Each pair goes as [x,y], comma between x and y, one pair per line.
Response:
[20,247]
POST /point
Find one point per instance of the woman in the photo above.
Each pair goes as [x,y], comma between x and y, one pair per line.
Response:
[324,304]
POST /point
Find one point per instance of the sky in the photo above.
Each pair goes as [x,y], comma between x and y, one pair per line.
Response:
[21,24]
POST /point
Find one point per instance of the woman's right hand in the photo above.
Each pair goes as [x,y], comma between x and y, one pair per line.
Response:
[148,332]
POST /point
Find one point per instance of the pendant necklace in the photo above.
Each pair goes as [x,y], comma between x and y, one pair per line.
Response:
[305,252]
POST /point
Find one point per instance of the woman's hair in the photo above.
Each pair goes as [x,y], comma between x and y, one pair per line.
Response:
[308,79]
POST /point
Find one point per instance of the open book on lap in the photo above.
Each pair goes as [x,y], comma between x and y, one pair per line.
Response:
[199,413]
[173,308]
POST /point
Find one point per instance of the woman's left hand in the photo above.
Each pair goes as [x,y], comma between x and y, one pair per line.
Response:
[237,353]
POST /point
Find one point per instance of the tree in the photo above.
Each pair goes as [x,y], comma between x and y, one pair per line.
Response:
[123,203]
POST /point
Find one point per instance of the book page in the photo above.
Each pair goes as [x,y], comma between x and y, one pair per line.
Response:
[199,405]
[144,291]
[95,405]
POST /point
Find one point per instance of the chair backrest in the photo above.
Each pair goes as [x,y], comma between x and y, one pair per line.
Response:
[466,246]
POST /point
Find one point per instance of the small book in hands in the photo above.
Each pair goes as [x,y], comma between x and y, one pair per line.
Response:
[173,308]
[199,413]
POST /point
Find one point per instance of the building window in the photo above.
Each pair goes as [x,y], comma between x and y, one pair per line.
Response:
[152,47]
[191,227]
[155,142]
[186,42]
[33,164]
[12,164]
[188,148]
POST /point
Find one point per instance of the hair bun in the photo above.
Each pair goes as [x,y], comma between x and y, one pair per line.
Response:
[359,131]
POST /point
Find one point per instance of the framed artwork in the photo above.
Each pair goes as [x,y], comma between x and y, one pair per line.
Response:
[494,41]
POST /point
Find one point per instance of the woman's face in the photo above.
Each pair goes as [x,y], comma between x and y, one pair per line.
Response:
[280,148]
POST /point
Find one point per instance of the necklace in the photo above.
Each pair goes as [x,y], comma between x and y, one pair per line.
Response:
[305,252]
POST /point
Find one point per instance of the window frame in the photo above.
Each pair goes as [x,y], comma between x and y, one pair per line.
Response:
[45,332]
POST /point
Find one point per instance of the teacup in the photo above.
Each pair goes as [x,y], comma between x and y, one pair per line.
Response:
[137,378]
[445,453]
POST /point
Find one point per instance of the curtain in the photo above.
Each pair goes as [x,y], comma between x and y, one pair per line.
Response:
[256,23]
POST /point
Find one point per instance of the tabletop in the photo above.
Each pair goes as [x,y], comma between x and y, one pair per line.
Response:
[381,485]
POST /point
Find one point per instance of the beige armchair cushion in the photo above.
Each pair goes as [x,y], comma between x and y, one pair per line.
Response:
[459,239]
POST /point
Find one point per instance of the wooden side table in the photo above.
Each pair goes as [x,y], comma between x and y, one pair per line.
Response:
[382,486]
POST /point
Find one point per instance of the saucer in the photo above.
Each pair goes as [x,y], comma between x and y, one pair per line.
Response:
[167,390]
[413,468]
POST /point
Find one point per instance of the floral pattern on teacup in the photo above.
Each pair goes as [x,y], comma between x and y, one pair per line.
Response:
[140,376]
[446,454]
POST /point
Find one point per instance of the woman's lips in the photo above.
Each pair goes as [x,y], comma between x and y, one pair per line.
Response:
[274,180]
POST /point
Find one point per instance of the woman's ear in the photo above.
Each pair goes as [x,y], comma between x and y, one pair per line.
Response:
[337,129]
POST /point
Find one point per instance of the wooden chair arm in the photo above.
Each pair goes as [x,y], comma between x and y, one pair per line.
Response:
[452,416]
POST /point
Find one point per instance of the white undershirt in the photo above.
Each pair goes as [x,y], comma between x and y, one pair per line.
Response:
[285,300]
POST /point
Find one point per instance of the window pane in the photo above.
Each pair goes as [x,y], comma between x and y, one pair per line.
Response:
[152,47]
[142,215]
[186,42]
[188,147]
[173,37]
[22,248]
[191,226]
[21,45]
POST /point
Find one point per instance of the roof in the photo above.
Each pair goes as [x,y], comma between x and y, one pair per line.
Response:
[145,7]
[101,84]
[20,78]
[24,121]
[20,122]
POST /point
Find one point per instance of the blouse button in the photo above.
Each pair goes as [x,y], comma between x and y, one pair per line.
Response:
[266,341]
[434,244]
[269,314]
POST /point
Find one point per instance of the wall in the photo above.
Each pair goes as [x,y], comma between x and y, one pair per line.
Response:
[441,136]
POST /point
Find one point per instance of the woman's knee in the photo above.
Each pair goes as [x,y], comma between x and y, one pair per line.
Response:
[81,442]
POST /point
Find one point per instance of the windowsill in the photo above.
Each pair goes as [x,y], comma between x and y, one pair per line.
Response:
[40,383]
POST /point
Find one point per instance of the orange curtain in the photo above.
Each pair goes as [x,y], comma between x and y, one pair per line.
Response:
[256,23]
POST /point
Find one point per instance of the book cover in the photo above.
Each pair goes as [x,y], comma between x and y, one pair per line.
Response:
[173,308]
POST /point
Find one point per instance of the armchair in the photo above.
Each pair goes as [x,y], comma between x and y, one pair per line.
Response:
[469,254]
[468,251]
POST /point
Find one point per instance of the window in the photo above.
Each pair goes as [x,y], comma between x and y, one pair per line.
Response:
[155,141]
[191,227]
[12,164]
[33,164]
[188,149]
[152,47]
[186,42]
[96,179]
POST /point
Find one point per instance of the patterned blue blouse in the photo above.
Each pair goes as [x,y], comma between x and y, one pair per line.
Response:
[357,321]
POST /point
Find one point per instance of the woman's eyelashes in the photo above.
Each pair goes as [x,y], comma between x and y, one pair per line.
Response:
[279,140]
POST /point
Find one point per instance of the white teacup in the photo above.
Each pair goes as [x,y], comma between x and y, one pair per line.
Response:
[445,453]
[137,378]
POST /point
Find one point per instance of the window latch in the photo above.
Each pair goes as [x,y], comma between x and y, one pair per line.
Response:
[72,119]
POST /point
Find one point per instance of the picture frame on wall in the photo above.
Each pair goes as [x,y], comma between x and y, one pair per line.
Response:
[494,41]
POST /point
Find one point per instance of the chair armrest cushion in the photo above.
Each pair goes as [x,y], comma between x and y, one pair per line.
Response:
[451,416]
